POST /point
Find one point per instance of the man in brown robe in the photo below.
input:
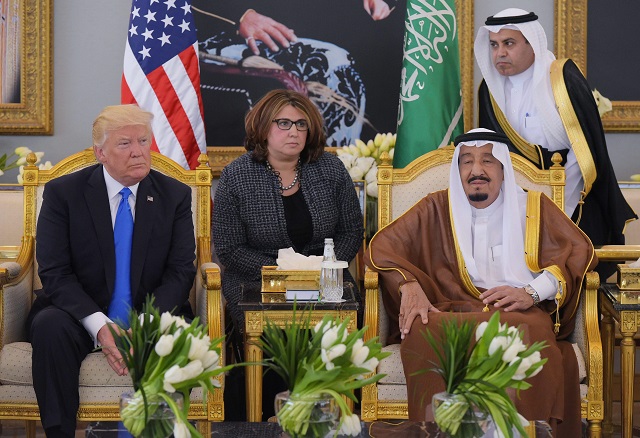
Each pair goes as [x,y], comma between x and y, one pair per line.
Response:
[485,241]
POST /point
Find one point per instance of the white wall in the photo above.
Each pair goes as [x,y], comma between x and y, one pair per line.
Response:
[88,48]
[89,38]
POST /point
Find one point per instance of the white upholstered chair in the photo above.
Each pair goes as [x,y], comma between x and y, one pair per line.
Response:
[11,223]
[399,190]
[100,387]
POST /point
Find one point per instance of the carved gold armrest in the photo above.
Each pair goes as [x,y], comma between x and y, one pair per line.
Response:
[371,304]
[594,359]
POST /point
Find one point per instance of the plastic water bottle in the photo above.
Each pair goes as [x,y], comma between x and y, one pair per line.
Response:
[331,288]
[329,255]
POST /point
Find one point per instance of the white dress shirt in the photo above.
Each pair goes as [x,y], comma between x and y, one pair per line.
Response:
[94,322]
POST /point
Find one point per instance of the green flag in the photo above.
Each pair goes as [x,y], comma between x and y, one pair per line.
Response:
[430,109]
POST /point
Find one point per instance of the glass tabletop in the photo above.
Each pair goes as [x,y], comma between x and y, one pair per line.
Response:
[622,300]
[251,300]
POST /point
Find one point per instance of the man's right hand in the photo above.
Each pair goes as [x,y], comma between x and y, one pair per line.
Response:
[110,350]
[377,9]
[413,303]
[256,27]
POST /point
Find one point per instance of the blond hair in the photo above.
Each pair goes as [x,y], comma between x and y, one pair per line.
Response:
[115,117]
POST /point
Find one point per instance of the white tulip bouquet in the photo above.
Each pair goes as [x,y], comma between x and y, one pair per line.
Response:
[318,362]
[165,355]
[479,377]
[362,159]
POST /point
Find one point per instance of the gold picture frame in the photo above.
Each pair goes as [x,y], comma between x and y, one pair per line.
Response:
[220,156]
[571,42]
[33,114]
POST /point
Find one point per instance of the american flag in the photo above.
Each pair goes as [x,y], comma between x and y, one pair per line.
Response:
[161,74]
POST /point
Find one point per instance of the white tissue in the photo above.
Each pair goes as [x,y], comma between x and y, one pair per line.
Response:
[635,264]
[289,260]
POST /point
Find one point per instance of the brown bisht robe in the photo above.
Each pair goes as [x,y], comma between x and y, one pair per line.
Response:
[420,245]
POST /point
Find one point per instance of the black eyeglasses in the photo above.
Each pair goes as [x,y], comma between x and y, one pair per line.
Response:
[286,124]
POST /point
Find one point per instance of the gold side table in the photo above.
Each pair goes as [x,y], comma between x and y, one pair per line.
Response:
[256,313]
[622,306]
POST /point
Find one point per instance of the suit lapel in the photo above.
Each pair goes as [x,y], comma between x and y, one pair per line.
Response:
[98,203]
[147,201]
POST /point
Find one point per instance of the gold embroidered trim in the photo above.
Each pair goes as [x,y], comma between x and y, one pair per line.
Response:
[462,267]
[582,283]
[405,279]
[572,126]
[528,150]
[531,250]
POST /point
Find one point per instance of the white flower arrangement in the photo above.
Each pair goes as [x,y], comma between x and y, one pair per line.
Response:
[362,159]
[480,376]
[165,354]
[325,360]
[19,157]
[604,104]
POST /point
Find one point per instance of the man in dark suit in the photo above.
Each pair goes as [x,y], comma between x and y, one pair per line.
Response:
[78,259]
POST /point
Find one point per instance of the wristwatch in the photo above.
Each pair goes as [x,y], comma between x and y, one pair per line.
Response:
[531,291]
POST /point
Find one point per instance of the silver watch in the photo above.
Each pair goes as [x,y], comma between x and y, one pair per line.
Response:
[531,291]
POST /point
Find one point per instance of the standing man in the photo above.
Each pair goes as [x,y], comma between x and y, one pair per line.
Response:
[523,88]
[486,242]
[108,236]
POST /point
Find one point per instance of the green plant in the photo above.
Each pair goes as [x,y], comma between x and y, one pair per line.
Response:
[480,376]
[165,354]
[317,361]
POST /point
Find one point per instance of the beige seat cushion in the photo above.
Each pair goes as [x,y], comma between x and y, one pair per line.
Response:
[15,368]
[392,367]
[98,382]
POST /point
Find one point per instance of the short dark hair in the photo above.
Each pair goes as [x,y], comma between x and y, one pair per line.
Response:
[258,120]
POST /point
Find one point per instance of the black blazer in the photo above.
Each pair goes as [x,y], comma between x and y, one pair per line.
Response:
[75,249]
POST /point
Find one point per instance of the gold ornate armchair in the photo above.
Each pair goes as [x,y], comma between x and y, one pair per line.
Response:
[615,325]
[100,387]
[399,190]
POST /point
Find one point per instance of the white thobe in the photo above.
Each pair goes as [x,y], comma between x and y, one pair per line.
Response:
[486,232]
[524,118]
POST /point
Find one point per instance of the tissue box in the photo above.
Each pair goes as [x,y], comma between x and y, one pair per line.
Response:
[628,277]
[275,283]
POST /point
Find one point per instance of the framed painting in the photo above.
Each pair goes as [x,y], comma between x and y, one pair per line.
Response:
[576,31]
[366,88]
[26,84]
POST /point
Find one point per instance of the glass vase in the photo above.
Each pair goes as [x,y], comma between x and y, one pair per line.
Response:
[306,416]
[371,219]
[456,418]
[153,418]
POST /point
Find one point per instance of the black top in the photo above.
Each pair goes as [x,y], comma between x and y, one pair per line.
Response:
[299,225]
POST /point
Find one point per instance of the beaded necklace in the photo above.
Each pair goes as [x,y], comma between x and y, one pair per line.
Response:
[276,173]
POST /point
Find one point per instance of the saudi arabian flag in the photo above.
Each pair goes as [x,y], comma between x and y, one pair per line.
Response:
[430,110]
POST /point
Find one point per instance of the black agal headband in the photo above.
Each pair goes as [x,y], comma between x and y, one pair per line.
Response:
[482,136]
[514,19]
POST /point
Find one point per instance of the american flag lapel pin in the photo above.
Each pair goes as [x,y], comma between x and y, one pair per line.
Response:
[149,198]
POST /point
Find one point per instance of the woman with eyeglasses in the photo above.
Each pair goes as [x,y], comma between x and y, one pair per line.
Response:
[286,191]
